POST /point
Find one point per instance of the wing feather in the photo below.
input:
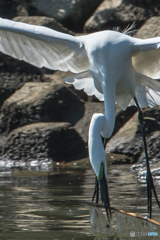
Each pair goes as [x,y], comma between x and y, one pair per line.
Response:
[147,91]
[42,47]
[85,81]
[146,57]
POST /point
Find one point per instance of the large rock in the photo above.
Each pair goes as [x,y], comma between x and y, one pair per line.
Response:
[40,141]
[121,141]
[14,74]
[72,14]
[150,29]
[40,102]
[111,14]
[129,141]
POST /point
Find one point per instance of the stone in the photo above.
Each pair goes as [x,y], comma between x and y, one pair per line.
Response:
[14,74]
[128,140]
[71,14]
[112,14]
[40,102]
[39,141]
[150,29]
[123,137]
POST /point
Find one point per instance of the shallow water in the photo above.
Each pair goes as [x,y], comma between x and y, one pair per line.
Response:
[45,205]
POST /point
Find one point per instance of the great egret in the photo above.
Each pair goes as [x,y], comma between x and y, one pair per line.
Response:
[110,65]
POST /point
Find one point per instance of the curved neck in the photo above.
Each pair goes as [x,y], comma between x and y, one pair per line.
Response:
[95,146]
[102,125]
[110,109]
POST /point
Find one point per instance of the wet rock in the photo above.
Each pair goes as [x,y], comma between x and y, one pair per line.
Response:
[39,141]
[71,14]
[40,102]
[111,14]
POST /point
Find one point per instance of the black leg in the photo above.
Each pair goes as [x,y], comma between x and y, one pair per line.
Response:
[96,191]
[105,195]
[149,179]
[104,143]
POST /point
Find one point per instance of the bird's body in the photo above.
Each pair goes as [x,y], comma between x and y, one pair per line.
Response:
[110,65]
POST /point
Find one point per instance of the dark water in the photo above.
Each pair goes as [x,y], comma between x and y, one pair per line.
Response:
[45,205]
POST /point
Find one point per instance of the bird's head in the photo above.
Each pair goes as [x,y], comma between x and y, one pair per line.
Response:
[101,171]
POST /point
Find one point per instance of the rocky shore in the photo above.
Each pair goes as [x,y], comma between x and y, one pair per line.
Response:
[41,117]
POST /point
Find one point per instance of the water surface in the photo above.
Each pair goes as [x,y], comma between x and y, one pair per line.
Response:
[45,205]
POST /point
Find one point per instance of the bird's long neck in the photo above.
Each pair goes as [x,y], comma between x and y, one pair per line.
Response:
[110,109]
[102,125]
[96,149]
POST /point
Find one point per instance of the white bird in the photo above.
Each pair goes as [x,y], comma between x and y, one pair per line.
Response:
[112,66]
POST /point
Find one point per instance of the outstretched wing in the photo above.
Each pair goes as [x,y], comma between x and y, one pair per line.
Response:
[146,61]
[42,47]
[146,57]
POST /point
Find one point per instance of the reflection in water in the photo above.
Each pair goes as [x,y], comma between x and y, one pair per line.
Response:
[46,206]
[123,225]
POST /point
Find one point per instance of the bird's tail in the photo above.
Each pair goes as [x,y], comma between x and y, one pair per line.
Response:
[147,91]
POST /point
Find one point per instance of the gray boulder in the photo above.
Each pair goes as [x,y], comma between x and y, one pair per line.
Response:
[44,141]
[150,29]
[72,14]
[128,140]
[40,102]
[112,14]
